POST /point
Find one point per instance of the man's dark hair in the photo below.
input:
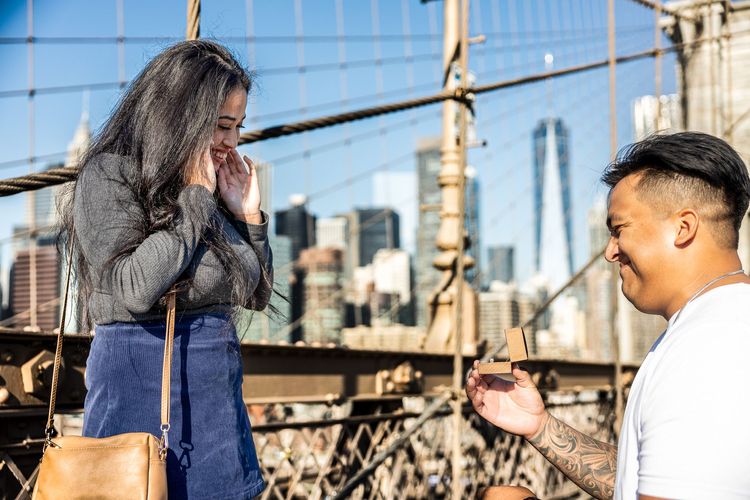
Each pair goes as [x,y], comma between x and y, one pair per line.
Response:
[689,167]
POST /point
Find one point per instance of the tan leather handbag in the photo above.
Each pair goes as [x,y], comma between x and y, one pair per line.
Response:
[125,466]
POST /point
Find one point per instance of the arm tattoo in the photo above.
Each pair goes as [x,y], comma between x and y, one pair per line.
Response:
[584,460]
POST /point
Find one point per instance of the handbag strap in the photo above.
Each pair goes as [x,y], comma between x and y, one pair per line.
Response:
[166,372]
[49,430]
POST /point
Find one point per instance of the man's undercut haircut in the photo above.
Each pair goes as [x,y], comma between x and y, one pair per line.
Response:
[689,170]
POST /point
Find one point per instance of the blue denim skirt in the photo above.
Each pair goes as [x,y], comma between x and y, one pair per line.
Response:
[211,451]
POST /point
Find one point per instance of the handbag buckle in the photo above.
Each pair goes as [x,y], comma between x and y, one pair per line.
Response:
[164,441]
[49,433]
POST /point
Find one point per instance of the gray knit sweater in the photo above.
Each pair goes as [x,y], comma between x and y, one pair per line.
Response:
[129,289]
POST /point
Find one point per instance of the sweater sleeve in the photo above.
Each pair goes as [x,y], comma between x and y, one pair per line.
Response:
[257,236]
[105,213]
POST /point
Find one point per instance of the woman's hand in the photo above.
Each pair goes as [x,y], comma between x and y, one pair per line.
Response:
[238,186]
[202,172]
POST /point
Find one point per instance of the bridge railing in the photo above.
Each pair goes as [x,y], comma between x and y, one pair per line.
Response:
[315,459]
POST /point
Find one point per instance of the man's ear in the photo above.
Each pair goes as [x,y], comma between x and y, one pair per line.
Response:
[687,222]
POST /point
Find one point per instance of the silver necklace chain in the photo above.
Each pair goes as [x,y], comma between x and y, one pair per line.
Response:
[696,294]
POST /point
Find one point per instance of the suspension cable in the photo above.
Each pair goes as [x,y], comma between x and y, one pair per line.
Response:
[58,176]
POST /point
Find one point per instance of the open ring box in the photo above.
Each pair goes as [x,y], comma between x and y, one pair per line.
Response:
[517,350]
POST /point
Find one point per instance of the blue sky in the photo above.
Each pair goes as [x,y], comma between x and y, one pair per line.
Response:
[518,32]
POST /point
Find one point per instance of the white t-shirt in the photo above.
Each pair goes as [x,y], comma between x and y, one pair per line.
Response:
[686,428]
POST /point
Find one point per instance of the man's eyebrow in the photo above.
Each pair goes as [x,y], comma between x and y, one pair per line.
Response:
[613,220]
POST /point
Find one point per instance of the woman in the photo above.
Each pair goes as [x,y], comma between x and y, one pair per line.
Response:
[162,199]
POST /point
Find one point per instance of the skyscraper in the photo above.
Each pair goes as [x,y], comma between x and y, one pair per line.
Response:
[500,265]
[599,288]
[46,291]
[267,326]
[80,141]
[652,115]
[265,182]
[392,277]
[553,221]
[296,223]
[391,273]
[561,330]
[428,223]
[3,311]
[321,273]
[332,232]
[471,226]
[498,310]
[504,306]
[429,196]
[399,189]
[40,254]
[380,293]
[370,230]
[76,149]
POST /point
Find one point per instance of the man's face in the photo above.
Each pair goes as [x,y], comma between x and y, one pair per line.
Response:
[641,239]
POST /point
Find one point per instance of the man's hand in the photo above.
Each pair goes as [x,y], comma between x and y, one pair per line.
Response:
[515,407]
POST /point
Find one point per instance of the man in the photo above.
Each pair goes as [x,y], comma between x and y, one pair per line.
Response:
[675,207]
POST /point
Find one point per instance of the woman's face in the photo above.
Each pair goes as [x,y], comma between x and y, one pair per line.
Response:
[227,131]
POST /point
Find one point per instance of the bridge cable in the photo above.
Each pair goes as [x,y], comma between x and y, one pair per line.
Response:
[61,175]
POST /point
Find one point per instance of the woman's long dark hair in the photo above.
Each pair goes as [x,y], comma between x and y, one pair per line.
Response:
[163,123]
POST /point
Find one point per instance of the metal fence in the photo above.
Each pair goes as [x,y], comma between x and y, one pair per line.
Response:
[315,459]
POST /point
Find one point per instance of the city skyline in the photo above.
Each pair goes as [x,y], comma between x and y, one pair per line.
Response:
[518,37]
[297,220]
[393,185]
